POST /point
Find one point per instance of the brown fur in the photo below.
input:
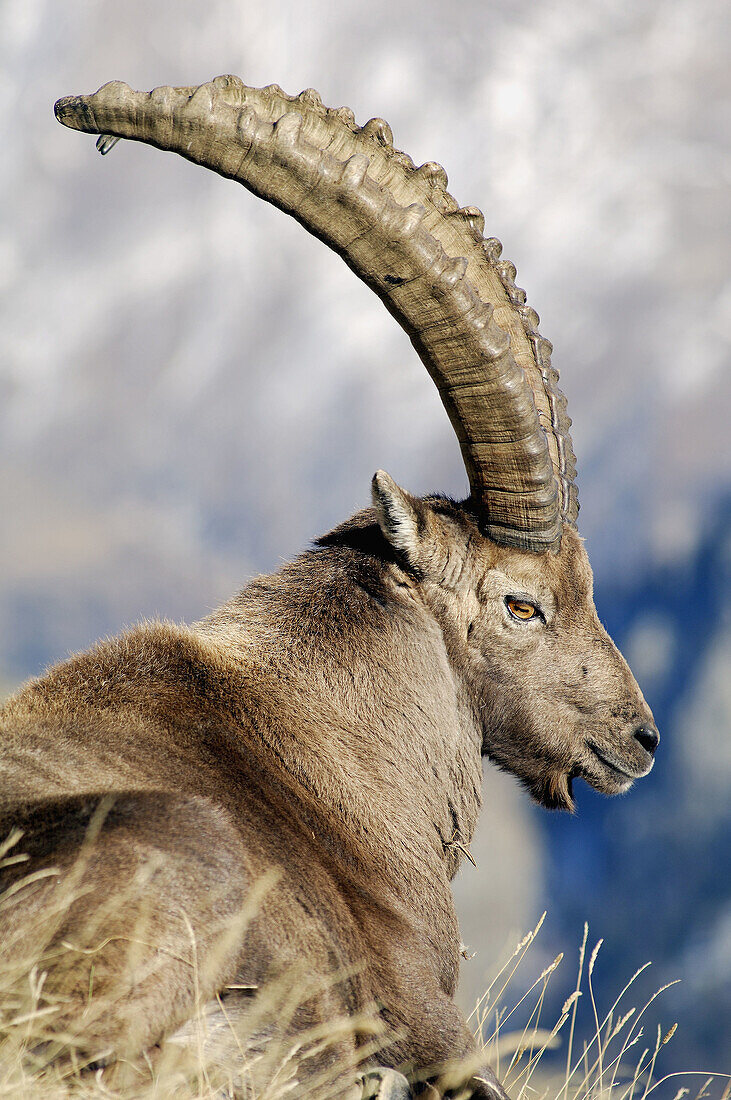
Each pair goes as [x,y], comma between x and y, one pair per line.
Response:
[325,728]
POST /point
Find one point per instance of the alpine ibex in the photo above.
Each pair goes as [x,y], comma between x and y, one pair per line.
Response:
[323,732]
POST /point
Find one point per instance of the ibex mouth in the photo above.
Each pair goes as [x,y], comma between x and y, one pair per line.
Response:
[612,763]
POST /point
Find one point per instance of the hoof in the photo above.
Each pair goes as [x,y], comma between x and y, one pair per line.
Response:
[385,1084]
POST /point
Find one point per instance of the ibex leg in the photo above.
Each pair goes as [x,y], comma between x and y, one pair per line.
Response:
[442,1044]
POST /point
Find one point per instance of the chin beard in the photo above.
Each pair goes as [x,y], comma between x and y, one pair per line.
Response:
[555,791]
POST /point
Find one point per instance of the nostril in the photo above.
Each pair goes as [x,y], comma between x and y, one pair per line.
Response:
[648,737]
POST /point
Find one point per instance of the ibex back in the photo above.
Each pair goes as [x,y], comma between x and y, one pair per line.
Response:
[289,784]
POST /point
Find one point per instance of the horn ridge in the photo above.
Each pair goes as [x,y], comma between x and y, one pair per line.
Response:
[399,230]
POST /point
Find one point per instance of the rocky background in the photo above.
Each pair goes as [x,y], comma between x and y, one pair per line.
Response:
[191,388]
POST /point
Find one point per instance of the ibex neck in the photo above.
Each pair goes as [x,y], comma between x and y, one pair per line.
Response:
[360,702]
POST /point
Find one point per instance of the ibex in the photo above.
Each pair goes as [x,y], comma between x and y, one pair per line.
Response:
[323,732]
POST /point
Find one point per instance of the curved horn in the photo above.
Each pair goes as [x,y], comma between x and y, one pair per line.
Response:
[401,232]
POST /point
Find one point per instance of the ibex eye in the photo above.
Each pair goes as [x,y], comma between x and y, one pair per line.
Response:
[521,609]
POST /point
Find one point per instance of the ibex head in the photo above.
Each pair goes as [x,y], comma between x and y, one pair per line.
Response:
[505,575]
[551,695]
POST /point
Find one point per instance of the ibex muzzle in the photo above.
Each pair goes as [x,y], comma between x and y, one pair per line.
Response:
[322,733]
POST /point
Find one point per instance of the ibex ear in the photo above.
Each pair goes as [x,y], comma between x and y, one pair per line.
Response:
[401,518]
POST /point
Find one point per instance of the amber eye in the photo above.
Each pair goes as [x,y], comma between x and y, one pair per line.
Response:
[521,609]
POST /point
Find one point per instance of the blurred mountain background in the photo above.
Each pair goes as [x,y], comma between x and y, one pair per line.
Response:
[191,389]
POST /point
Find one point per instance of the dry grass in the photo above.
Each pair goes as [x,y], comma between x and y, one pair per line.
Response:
[621,1061]
[230,1053]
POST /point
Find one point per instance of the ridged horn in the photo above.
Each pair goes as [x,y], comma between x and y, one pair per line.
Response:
[401,232]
